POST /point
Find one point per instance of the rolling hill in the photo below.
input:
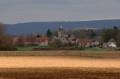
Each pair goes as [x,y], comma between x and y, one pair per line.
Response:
[42,27]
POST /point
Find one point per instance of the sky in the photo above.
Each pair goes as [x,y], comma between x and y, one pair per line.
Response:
[21,11]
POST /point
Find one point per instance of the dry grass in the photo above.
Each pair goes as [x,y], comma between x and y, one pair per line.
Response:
[57,61]
[88,54]
[60,73]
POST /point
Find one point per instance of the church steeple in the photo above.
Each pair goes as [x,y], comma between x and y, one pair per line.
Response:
[61,32]
[61,27]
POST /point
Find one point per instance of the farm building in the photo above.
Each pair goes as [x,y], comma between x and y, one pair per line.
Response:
[27,41]
[111,44]
[83,42]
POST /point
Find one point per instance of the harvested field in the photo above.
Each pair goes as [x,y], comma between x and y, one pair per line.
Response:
[57,61]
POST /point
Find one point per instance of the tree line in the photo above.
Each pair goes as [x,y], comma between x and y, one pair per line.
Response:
[111,33]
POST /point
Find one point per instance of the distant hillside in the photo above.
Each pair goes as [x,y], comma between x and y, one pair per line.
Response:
[77,29]
[42,27]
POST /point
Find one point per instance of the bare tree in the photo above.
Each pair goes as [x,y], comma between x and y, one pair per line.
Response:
[6,42]
[20,42]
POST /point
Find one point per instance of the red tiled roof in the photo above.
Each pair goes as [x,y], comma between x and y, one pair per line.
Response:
[15,39]
[42,39]
[112,40]
[84,40]
[30,39]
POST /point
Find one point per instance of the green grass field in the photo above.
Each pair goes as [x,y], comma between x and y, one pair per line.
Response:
[29,48]
[90,50]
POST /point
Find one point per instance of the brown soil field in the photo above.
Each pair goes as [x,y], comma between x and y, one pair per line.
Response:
[60,73]
[60,65]
[105,55]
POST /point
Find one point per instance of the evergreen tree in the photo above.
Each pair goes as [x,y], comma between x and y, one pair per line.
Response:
[38,35]
[118,39]
[92,34]
[115,32]
[56,33]
[49,33]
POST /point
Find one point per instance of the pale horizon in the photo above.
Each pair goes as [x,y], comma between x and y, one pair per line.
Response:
[59,21]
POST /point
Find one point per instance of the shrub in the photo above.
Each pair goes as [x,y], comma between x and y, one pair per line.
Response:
[57,43]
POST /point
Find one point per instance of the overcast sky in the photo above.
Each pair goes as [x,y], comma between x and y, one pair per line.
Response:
[19,11]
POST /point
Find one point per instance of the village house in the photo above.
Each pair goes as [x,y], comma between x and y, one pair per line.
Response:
[95,42]
[88,42]
[83,42]
[111,44]
[27,41]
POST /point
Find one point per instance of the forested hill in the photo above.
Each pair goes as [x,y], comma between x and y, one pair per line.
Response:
[42,27]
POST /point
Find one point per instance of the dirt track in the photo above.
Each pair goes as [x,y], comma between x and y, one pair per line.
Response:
[57,61]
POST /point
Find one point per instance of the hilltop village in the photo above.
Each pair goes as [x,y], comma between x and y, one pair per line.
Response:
[61,39]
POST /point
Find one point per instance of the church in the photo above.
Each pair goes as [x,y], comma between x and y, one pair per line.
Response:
[64,37]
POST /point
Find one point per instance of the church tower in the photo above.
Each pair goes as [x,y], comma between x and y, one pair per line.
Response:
[61,32]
